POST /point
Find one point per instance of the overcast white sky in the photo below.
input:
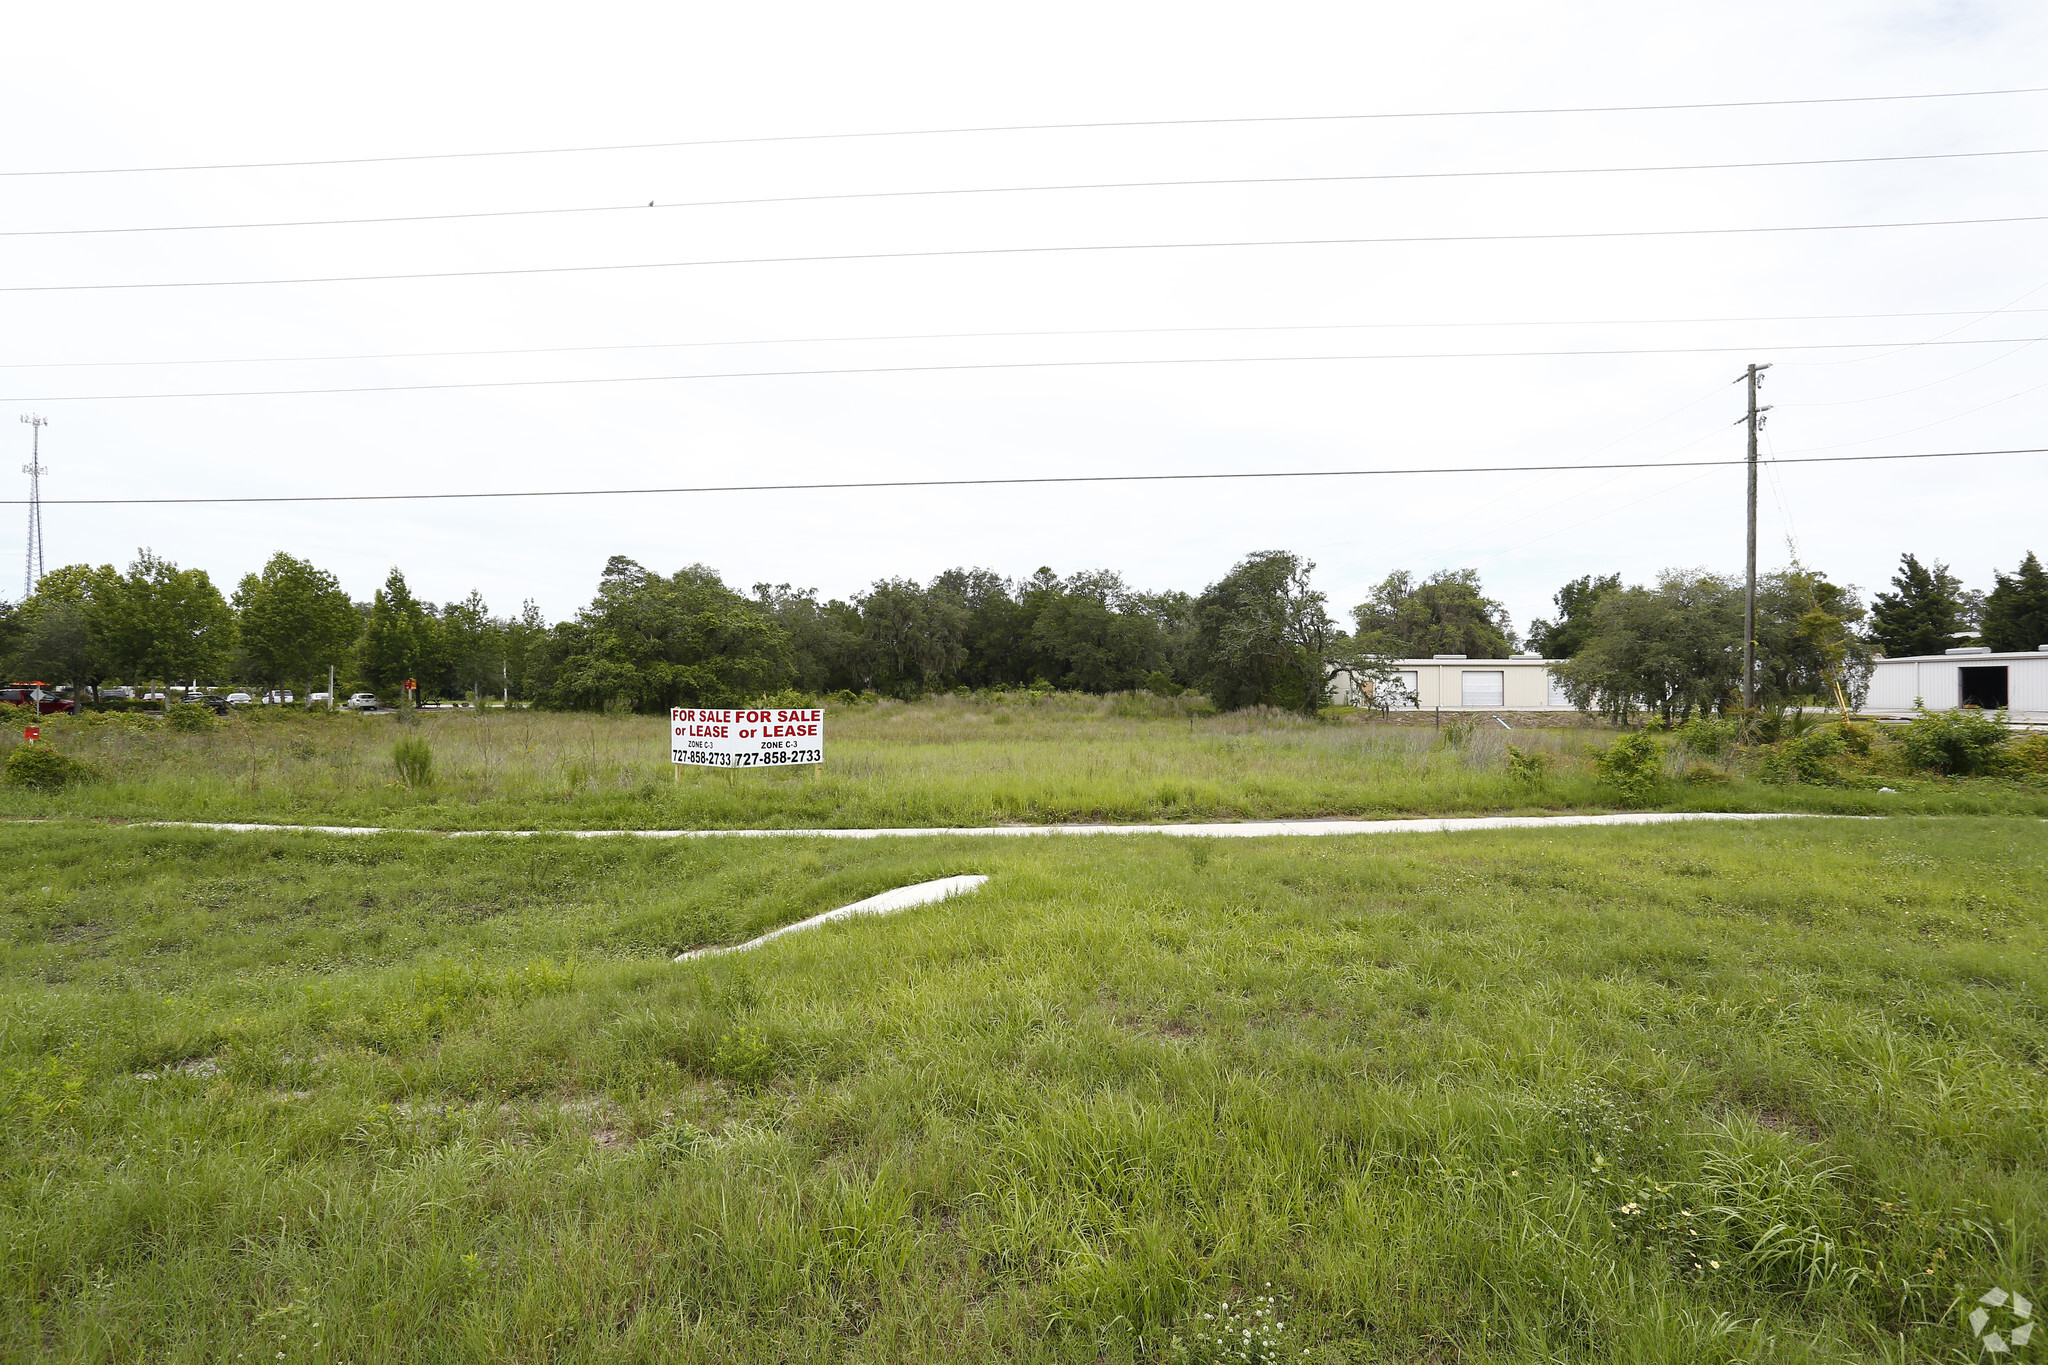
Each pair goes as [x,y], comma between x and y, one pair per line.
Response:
[133,85]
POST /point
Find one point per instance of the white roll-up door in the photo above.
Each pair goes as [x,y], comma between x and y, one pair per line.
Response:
[1483,687]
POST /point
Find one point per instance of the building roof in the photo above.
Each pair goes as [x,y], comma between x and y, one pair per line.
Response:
[2041,653]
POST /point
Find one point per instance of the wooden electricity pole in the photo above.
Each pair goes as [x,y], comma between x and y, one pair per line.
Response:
[1755,419]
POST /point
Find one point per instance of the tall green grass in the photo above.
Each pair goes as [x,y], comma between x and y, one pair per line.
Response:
[1705,1093]
[944,761]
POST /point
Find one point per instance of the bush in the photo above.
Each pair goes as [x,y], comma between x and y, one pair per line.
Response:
[1159,685]
[1958,743]
[1804,758]
[189,715]
[1527,766]
[414,759]
[1707,736]
[2029,757]
[1704,775]
[1632,767]
[45,769]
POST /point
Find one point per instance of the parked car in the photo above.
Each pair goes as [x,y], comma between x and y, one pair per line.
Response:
[363,701]
[319,699]
[44,699]
[217,705]
[239,699]
[117,694]
[274,698]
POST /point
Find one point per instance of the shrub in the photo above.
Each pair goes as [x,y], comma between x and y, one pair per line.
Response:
[1527,766]
[1707,736]
[414,759]
[45,769]
[187,715]
[1804,758]
[2029,757]
[1159,685]
[1704,775]
[1455,730]
[1631,767]
[1958,743]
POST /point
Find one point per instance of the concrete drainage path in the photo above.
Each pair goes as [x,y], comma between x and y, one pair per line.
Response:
[1246,829]
[902,898]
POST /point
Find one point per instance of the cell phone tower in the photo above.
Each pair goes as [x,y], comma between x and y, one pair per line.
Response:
[35,471]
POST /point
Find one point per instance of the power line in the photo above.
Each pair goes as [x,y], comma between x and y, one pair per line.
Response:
[1010,335]
[1019,251]
[970,367]
[1009,481]
[1098,125]
[638,207]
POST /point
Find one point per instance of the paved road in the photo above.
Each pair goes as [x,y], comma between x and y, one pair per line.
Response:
[1247,829]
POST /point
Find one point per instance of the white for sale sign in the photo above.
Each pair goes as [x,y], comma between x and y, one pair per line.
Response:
[758,738]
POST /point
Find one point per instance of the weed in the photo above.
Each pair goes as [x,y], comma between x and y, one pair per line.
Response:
[1962,742]
[745,1058]
[413,757]
[1632,767]
[1529,767]
[1250,1331]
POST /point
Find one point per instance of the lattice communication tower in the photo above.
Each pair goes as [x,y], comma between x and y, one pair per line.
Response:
[35,471]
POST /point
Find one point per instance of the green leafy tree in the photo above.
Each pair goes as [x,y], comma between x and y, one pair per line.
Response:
[56,635]
[1089,638]
[399,638]
[1563,637]
[160,621]
[826,641]
[915,638]
[1446,613]
[1809,642]
[1265,635]
[996,635]
[650,643]
[526,644]
[472,647]
[2016,608]
[294,621]
[1673,649]
[1926,611]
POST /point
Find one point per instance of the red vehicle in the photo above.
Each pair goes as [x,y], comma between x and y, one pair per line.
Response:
[44,699]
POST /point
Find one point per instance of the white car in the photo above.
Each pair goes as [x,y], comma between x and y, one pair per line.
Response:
[363,701]
[318,699]
[278,698]
[239,699]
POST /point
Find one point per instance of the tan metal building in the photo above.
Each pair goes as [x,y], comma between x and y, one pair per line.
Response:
[1452,682]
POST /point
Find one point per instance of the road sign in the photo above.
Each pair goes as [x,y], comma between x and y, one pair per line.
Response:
[31,733]
[748,737]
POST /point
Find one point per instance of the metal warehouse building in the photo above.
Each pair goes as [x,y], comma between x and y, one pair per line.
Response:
[1454,683]
[2014,683]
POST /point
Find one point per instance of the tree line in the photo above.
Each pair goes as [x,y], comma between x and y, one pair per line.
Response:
[1261,634]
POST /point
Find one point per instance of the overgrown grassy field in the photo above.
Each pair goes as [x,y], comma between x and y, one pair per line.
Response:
[944,761]
[1771,1092]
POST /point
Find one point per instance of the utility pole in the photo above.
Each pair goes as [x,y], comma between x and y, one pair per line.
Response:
[35,471]
[1755,419]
